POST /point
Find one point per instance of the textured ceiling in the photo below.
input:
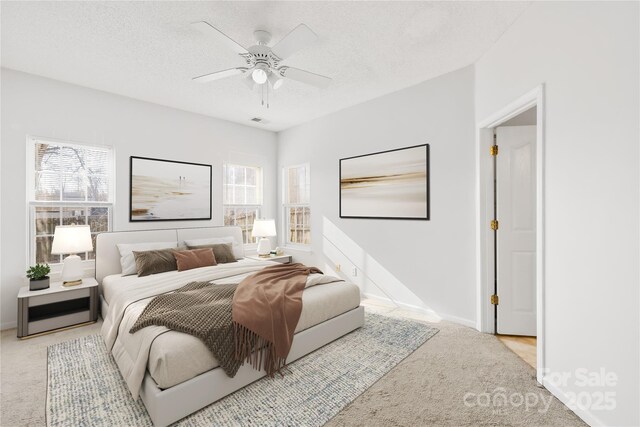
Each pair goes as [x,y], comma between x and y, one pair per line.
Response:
[148,50]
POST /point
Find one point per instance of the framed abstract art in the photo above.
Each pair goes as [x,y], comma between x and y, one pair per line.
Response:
[391,184]
[167,190]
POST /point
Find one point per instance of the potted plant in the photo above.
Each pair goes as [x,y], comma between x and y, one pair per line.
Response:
[39,276]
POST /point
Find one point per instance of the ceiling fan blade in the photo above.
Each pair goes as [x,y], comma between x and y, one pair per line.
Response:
[219,75]
[297,38]
[305,77]
[207,28]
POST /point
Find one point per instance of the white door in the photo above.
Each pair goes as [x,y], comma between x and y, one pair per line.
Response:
[516,213]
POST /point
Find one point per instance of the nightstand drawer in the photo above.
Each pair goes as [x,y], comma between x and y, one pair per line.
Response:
[57,297]
[58,322]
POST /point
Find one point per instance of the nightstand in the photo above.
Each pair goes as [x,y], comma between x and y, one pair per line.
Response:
[284,259]
[57,307]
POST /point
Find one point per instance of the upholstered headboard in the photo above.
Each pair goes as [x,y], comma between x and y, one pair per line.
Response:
[108,256]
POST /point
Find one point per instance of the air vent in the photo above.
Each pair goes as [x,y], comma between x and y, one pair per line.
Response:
[256,119]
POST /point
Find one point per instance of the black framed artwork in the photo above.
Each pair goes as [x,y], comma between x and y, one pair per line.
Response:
[168,190]
[392,184]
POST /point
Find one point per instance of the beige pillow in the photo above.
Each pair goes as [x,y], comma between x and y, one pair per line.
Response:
[195,258]
[238,247]
[155,261]
[223,252]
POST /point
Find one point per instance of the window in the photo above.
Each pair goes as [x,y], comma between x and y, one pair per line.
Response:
[69,184]
[297,209]
[242,197]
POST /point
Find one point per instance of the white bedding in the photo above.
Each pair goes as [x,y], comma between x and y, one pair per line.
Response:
[172,357]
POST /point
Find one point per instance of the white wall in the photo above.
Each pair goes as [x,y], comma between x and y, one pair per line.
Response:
[586,54]
[33,105]
[429,264]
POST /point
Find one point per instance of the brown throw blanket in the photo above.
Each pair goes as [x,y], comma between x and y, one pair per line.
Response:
[200,309]
[253,321]
[266,310]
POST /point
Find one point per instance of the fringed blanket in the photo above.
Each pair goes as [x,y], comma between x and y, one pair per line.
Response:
[199,309]
[253,321]
[266,310]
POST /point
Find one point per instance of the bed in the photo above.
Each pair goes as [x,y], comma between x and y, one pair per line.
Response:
[174,373]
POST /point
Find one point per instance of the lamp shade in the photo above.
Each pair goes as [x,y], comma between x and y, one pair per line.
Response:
[71,239]
[259,74]
[275,81]
[264,228]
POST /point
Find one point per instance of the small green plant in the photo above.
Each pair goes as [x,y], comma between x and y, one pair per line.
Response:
[38,271]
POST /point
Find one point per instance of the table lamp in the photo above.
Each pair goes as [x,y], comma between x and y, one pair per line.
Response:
[71,239]
[264,228]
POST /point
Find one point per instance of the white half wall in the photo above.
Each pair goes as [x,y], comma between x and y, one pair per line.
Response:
[42,107]
[587,56]
[428,265]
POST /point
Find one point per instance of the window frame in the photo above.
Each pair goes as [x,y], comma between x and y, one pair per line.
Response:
[286,206]
[259,207]
[33,236]
[32,203]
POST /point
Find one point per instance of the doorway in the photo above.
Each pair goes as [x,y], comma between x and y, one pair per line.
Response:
[510,199]
[515,237]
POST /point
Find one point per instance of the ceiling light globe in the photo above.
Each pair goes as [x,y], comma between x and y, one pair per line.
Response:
[259,76]
[275,80]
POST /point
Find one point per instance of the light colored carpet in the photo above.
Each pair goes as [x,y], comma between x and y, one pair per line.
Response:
[448,383]
[424,389]
[86,388]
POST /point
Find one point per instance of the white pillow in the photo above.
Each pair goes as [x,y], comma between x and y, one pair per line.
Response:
[128,262]
[238,249]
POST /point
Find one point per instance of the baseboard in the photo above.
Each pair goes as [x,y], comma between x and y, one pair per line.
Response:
[424,310]
[459,320]
[8,325]
[583,413]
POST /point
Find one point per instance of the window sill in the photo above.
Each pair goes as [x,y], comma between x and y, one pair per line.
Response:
[88,270]
[305,249]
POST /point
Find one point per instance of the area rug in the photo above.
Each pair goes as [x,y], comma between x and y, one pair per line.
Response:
[85,387]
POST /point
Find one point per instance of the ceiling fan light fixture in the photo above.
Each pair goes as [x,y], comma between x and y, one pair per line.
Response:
[263,63]
[259,75]
[276,82]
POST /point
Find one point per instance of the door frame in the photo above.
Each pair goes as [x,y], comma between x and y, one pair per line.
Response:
[485,321]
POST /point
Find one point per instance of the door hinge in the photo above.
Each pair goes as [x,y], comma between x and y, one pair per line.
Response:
[494,150]
[494,224]
[495,300]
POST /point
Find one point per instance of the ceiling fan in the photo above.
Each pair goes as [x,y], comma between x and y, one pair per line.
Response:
[264,62]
